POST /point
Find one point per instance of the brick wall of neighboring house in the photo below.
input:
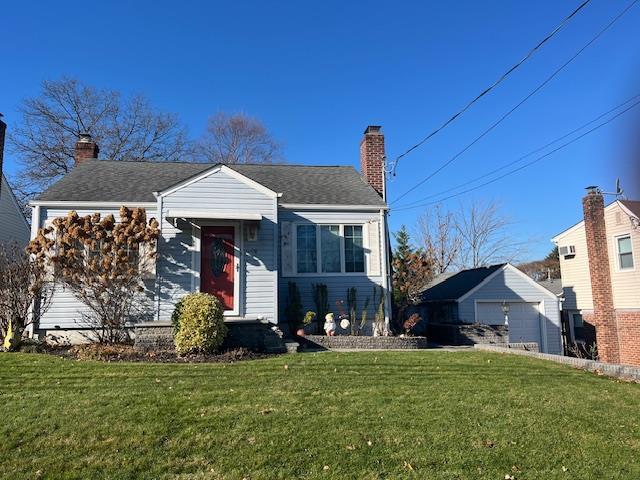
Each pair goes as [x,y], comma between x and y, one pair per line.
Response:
[629,335]
[604,313]
[617,331]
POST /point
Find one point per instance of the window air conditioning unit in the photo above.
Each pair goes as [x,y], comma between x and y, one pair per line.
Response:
[568,251]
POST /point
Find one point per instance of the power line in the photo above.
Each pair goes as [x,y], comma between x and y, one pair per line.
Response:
[523,157]
[494,84]
[511,172]
[519,104]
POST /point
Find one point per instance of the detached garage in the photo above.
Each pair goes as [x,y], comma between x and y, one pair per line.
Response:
[496,304]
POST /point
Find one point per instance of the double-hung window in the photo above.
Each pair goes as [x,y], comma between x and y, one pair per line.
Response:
[353,249]
[327,249]
[330,248]
[306,255]
[625,253]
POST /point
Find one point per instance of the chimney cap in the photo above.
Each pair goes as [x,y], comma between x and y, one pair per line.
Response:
[85,137]
[593,190]
[374,129]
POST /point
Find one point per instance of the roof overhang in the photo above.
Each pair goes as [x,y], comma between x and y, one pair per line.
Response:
[180,218]
[211,215]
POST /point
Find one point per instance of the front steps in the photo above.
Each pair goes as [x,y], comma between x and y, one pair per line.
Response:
[256,335]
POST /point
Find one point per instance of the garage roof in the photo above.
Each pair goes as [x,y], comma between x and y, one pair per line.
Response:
[458,284]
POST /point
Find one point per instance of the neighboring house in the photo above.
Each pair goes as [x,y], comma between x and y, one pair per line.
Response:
[479,296]
[13,225]
[275,223]
[600,264]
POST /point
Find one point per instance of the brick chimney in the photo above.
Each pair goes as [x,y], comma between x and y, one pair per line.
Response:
[3,131]
[372,158]
[86,149]
[599,268]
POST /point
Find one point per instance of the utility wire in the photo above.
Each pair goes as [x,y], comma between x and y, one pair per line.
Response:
[518,160]
[493,85]
[511,172]
[531,94]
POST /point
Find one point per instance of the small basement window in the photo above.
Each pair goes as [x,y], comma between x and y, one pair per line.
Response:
[625,253]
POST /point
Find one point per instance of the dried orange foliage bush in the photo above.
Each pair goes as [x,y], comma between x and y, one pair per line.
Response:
[23,284]
[101,262]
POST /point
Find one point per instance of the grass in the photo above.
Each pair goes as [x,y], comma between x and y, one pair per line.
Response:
[441,415]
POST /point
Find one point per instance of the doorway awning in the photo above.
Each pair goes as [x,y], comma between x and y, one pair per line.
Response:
[176,216]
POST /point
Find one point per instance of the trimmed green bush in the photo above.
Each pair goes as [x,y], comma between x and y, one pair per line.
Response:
[201,327]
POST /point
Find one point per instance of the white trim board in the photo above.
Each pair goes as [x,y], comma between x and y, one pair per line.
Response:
[326,206]
[213,170]
[71,203]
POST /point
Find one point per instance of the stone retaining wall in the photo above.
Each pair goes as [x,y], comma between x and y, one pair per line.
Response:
[626,372]
[363,342]
[465,334]
[254,335]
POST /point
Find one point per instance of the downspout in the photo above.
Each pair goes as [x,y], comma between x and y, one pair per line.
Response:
[386,271]
[158,286]
[35,224]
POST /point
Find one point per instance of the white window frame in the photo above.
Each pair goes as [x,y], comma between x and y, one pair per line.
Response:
[319,272]
[616,240]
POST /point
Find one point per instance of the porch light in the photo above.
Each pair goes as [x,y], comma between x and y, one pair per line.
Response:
[252,230]
[505,310]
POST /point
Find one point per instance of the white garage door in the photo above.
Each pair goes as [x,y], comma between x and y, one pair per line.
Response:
[524,319]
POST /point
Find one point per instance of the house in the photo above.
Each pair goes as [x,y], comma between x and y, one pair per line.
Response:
[14,227]
[278,224]
[599,261]
[495,304]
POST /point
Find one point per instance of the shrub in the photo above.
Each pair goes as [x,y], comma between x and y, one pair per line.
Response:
[201,327]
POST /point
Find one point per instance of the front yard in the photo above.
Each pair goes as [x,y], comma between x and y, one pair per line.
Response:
[327,415]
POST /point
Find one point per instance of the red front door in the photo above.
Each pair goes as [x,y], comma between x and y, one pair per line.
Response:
[217,272]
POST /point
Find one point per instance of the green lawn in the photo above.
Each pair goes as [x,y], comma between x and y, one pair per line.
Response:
[445,415]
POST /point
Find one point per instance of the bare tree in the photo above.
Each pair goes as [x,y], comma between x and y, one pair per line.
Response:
[440,238]
[23,285]
[124,128]
[484,236]
[102,262]
[237,138]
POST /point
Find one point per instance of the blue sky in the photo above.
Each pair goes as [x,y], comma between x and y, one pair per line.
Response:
[317,73]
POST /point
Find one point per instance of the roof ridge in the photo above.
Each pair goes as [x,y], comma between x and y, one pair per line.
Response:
[230,165]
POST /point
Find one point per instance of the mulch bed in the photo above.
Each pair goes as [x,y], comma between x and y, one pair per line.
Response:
[126,353]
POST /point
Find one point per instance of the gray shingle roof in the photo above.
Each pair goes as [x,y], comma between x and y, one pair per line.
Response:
[115,181]
[554,285]
[457,285]
[633,205]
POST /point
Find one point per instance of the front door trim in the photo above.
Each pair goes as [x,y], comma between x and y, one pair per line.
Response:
[196,260]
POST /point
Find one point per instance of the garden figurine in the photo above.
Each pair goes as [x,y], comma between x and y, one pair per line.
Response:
[329,325]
